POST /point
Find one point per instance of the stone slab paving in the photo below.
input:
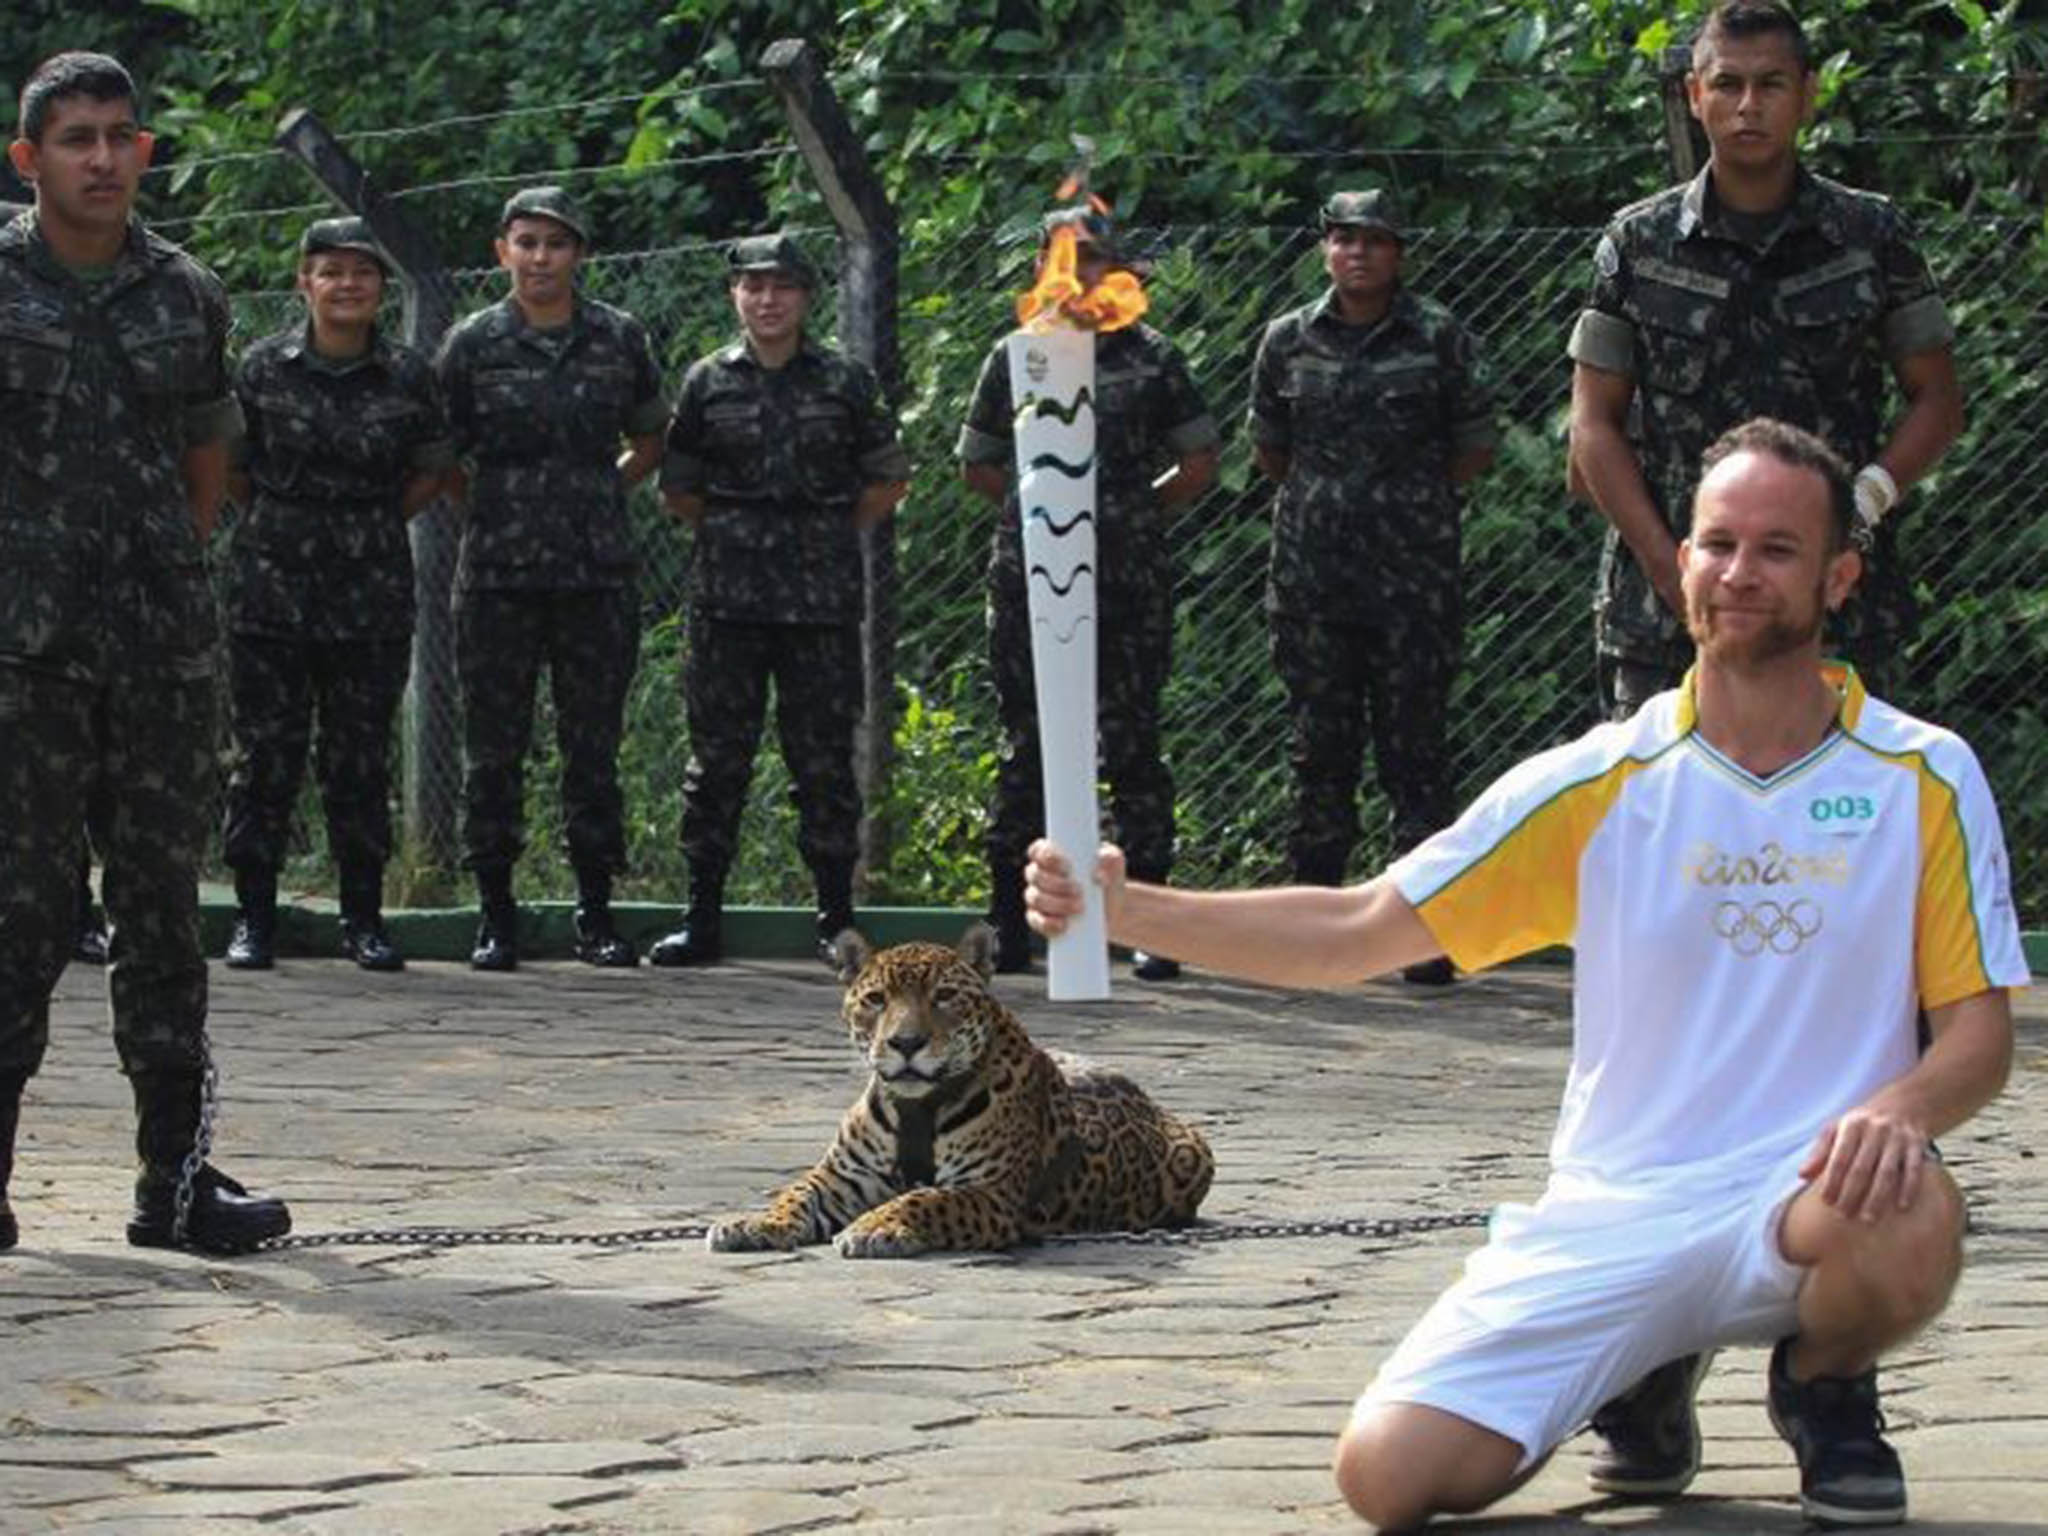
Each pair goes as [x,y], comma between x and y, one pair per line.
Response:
[654,1387]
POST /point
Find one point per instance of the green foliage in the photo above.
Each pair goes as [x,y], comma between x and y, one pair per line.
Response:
[939,790]
[1218,125]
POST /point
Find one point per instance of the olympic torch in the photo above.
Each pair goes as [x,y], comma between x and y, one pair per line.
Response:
[1052,383]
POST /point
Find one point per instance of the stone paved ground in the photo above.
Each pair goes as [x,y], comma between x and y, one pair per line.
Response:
[1073,1388]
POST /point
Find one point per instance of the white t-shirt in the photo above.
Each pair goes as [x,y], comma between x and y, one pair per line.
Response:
[1749,953]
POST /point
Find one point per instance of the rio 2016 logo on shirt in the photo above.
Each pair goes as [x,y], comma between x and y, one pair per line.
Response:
[1772,864]
[1766,925]
[1849,808]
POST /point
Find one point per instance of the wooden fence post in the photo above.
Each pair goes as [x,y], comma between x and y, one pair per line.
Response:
[1684,140]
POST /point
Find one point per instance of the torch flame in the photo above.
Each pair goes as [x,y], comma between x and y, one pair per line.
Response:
[1057,297]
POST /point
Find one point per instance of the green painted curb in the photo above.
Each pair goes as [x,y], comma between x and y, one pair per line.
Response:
[309,927]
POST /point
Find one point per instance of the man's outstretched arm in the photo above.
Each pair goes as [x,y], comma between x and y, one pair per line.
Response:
[1296,936]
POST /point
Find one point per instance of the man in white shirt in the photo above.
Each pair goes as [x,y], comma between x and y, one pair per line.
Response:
[1765,876]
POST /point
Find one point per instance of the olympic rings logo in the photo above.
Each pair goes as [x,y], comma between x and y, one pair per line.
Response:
[1780,929]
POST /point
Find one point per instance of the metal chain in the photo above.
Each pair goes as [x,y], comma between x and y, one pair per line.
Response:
[694,1231]
[202,1141]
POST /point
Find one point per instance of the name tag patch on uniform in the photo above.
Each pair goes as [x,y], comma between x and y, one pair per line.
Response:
[1846,265]
[1672,275]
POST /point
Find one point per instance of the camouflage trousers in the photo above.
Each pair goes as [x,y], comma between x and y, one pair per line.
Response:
[339,695]
[589,641]
[1391,678]
[1134,655]
[816,670]
[130,759]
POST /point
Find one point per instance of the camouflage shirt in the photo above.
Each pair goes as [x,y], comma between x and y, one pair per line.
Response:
[1147,418]
[541,414]
[1370,417]
[105,382]
[321,550]
[779,457]
[1717,322]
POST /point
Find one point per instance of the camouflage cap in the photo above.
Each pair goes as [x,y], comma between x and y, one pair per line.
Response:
[1091,227]
[771,253]
[1371,209]
[350,234]
[545,203]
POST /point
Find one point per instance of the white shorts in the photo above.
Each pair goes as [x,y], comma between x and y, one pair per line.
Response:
[1576,1297]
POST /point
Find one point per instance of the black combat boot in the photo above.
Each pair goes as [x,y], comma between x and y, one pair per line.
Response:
[497,935]
[698,941]
[253,944]
[11,1084]
[89,943]
[1006,916]
[597,940]
[835,908]
[363,938]
[223,1217]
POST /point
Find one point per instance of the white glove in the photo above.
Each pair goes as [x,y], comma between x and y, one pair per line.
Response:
[1876,494]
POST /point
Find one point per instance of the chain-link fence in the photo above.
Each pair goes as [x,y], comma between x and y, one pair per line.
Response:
[1975,538]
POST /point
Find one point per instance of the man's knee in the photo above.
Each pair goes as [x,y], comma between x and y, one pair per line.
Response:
[1905,1266]
[1400,1463]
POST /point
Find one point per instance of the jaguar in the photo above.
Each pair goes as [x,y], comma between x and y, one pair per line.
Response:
[968,1136]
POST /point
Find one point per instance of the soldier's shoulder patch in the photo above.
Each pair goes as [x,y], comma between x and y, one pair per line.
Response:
[1607,257]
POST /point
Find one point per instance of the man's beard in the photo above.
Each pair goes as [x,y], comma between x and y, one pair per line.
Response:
[1767,643]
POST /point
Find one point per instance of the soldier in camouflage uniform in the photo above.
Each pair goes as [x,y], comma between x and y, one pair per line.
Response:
[1758,289]
[541,390]
[345,440]
[781,452]
[115,419]
[1369,409]
[1156,451]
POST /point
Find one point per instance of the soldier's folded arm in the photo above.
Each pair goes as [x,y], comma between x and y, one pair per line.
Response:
[885,481]
[431,470]
[682,483]
[986,479]
[1197,447]
[642,457]
[212,428]
[1473,442]
[1933,418]
[1603,462]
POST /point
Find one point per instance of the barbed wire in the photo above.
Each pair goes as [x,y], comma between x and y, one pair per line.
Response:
[466,120]
[1645,67]
[473,119]
[239,215]
[571,173]
[424,189]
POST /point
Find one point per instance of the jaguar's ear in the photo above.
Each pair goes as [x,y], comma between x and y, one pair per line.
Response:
[978,949]
[850,954]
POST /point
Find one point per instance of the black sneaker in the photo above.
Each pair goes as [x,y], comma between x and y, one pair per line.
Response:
[1848,1475]
[1651,1433]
